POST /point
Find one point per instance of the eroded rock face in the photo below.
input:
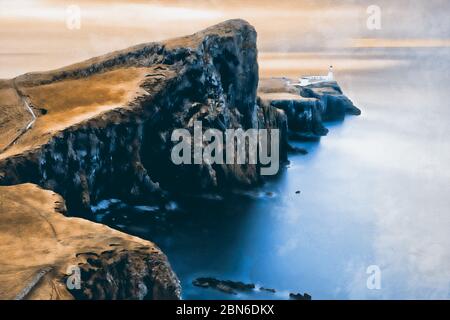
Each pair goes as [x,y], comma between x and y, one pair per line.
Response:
[40,248]
[307,108]
[124,152]
[304,115]
[336,104]
[270,117]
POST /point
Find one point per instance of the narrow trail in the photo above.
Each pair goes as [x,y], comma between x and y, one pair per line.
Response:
[29,125]
[32,283]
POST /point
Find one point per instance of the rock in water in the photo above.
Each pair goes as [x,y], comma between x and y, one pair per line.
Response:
[336,104]
[226,286]
[299,296]
[268,290]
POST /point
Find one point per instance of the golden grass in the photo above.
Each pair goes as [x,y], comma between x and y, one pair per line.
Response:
[109,88]
[70,102]
[13,117]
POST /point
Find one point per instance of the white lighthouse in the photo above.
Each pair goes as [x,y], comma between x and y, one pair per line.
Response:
[305,81]
[330,76]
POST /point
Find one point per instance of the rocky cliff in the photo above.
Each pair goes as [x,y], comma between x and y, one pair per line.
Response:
[105,124]
[307,108]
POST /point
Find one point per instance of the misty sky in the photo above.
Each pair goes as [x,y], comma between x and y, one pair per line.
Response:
[34,34]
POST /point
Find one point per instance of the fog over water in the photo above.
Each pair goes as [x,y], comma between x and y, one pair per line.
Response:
[34,33]
[375,191]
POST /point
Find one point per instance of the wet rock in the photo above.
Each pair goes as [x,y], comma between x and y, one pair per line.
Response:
[336,104]
[303,114]
[226,286]
[293,149]
[299,296]
[268,290]
[307,108]
[270,117]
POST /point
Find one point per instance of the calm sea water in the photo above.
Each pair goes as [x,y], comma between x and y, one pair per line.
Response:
[375,191]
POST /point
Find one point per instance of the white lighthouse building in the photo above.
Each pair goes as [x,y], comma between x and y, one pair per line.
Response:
[330,76]
[305,81]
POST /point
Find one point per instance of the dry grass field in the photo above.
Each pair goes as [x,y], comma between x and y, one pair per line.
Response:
[61,104]
[13,116]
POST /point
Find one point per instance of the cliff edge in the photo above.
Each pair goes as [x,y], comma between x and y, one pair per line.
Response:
[41,248]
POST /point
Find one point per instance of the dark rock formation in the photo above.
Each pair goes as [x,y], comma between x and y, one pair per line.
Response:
[117,274]
[299,296]
[232,287]
[270,117]
[336,104]
[226,286]
[268,290]
[307,108]
[304,114]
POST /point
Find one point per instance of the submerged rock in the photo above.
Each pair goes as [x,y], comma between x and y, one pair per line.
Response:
[233,287]
[226,286]
[268,290]
[299,296]
[336,104]
[293,149]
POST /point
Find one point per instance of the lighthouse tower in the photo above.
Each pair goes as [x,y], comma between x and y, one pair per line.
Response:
[306,81]
[330,76]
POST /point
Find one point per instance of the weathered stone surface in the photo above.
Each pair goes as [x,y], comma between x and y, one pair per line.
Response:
[38,245]
[336,104]
[307,108]
[304,115]
[270,117]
